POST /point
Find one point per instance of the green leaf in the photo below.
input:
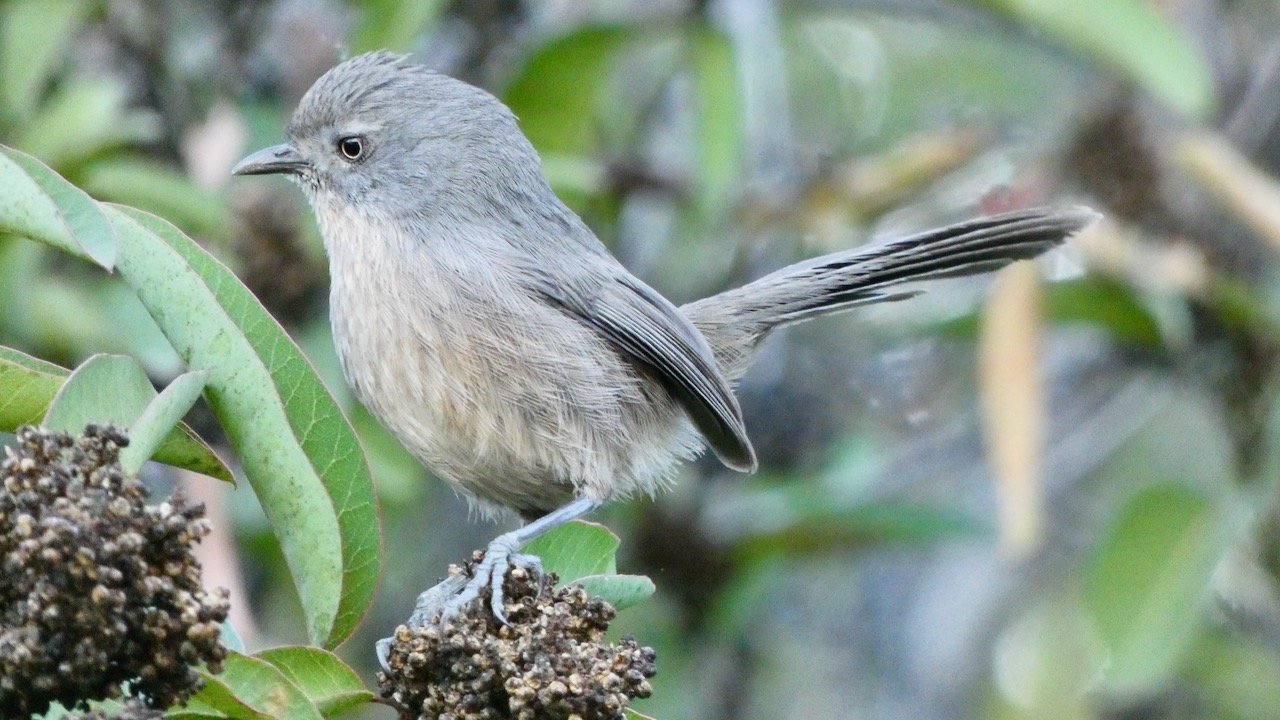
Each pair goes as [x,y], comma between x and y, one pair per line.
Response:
[104,389]
[160,417]
[114,389]
[299,453]
[158,188]
[1095,301]
[248,689]
[1132,38]
[719,119]
[393,24]
[328,682]
[1106,304]
[38,204]
[584,553]
[33,34]
[557,96]
[229,637]
[27,385]
[636,715]
[576,550]
[1149,580]
[620,591]
[82,118]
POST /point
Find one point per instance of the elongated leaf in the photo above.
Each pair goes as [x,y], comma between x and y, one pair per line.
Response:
[38,204]
[28,386]
[393,24]
[299,452]
[557,95]
[33,34]
[160,417]
[1149,581]
[157,188]
[1129,36]
[719,119]
[576,550]
[84,117]
[328,682]
[248,688]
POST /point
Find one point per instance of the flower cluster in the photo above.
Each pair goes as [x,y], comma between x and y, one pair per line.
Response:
[550,662]
[100,589]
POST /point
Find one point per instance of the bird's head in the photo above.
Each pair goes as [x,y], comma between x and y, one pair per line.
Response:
[385,135]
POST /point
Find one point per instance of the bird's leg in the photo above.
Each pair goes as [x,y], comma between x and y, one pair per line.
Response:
[451,594]
[502,555]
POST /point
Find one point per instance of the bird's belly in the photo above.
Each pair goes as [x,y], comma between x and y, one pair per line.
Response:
[518,406]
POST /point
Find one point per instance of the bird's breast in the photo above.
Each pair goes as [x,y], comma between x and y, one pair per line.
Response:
[498,392]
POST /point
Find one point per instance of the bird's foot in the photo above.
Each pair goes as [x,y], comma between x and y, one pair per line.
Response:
[445,599]
[500,558]
[490,569]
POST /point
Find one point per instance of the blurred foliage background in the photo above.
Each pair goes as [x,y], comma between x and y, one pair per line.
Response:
[1050,500]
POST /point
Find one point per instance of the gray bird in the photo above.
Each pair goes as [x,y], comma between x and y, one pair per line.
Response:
[485,325]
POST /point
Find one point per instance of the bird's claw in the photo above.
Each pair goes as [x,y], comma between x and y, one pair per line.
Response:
[445,599]
[499,559]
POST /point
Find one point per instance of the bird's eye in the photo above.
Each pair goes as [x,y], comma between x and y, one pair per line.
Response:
[351,147]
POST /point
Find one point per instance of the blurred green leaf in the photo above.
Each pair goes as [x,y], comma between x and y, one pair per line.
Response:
[160,417]
[557,95]
[33,35]
[27,386]
[1095,301]
[157,188]
[328,682]
[1148,581]
[821,527]
[620,591]
[719,119]
[248,688]
[114,389]
[1104,303]
[1047,658]
[393,25]
[82,118]
[1237,676]
[1129,36]
[37,204]
[577,549]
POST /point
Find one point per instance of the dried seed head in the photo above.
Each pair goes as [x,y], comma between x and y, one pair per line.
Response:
[550,663]
[99,588]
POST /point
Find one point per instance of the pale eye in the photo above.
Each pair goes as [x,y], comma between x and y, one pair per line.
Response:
[351,147]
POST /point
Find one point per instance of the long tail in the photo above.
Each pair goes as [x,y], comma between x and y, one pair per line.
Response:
[735,321]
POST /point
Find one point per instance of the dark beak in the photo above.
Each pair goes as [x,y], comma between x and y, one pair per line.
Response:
[278,159]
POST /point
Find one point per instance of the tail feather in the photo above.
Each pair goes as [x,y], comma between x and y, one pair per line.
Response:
[735,321]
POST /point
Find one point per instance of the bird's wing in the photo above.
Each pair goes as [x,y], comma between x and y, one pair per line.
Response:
[649,329]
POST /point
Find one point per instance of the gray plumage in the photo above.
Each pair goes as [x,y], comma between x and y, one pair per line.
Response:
[493,334]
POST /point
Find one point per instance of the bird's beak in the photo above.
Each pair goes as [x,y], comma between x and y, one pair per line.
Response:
[277,159]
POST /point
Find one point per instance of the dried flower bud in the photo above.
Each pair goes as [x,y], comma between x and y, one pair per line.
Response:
[99,588]
[550,663]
